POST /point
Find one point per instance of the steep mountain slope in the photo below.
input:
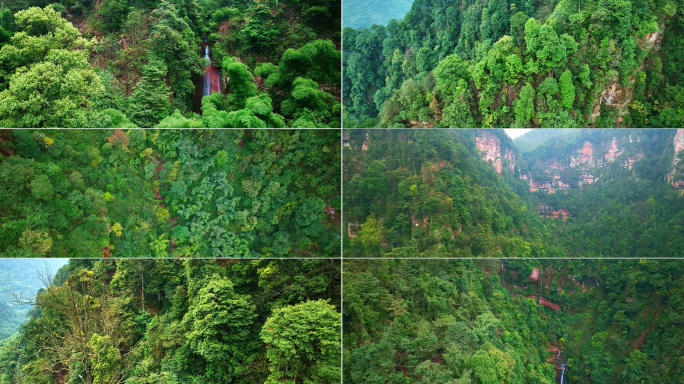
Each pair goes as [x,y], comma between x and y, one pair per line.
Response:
[421,192]
[181,321]
[619,188]
[518,63]
[513,321]
[472,193]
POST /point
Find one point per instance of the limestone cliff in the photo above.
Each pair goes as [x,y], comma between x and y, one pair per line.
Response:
[490,147]
[676,175]
[582,164]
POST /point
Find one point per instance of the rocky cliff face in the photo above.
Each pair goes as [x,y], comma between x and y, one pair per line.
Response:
[613,151]
[615,96]
[583,166]
[676,175]
[489,146]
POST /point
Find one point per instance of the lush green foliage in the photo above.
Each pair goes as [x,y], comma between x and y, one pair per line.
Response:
[518,63]
[173,321]
[303,343]
[629,211]
[134,63]
[158,193]
[480,321]
[428,193]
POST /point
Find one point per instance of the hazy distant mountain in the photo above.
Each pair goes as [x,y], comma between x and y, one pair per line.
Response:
[363,14]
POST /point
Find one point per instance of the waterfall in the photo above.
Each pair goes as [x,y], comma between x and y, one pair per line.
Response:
[212,76]
[563,366]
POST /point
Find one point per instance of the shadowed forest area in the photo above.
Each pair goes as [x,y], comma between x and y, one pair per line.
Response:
[180,321]
[133,63]
[170,193]
[513,321]
[517,64]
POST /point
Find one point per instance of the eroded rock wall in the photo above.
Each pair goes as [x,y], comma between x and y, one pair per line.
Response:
[676,175]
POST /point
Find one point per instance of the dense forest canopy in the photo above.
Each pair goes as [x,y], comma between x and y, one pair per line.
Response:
[128,63]
[472,193]
[181,321]
[519,63]
[513,321]
[17,278]
[166,193]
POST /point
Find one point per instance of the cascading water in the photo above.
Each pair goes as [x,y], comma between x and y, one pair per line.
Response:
[212,76]
[562,373]
[560,358]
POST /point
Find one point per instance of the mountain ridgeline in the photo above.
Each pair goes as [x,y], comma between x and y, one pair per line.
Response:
[363,14]
[473,193]
[519,63]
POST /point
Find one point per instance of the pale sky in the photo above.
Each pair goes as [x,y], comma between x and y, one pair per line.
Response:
[516,132]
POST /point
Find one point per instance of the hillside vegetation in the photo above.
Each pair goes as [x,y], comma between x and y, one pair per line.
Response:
[472,193]
[181,321]
[169,193]
[128,63]
[513,321]
[519,63]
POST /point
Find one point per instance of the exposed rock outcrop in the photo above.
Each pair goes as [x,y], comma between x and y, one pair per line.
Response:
[584,166]
[676,177]
[489,145]
[546,211]
[534,276]
[613,151]
[617,96]
[584,156]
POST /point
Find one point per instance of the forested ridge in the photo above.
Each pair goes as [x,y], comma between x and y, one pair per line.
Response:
[513,321]
[519,63]
[181,321]
[169,193]
[471,193]
[132,63]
